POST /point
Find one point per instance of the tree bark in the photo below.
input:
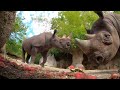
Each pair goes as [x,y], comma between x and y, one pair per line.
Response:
[7,19]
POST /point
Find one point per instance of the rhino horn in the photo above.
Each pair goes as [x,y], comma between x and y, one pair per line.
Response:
[84,45]
[64,36]
[89,36]
[99,13]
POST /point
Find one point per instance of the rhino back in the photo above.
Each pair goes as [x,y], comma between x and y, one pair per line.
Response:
[40,40]
[113,18]
[117,17]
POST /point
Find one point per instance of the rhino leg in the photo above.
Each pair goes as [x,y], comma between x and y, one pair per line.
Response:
[28,57]
[23,55]
[32,59]
[44,54]
[23,60]
[33,55]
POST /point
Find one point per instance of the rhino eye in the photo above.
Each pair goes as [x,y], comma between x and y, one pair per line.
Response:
[107,35]
[107,39]
[60,42]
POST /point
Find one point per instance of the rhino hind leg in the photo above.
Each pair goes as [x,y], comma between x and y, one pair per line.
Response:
[23,55]
[32,59]
[44,54]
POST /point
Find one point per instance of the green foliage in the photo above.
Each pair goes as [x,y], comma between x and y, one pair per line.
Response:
[74,22]
[37,59]
[14,43]
[55,51]
[118,12]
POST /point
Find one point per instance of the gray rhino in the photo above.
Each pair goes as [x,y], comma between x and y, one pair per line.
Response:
[103,40]
[41,44]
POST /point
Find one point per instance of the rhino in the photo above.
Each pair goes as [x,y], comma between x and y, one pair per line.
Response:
[42,43]
[102,40]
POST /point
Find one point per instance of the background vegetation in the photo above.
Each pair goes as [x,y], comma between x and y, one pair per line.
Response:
[14,43]
[67,22]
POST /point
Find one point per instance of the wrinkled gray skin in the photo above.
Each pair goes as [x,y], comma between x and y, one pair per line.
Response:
[41,44]
[103,40]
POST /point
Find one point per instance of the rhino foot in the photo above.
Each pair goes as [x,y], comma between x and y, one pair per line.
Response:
[42,64]
[78,66]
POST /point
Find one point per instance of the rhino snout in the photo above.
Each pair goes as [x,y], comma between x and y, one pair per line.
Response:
[68,45]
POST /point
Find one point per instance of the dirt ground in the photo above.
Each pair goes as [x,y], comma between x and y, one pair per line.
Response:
[101,74]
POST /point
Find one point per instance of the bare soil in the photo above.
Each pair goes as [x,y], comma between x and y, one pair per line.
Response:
[100,74]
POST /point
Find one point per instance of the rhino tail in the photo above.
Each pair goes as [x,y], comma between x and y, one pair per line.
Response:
[23,54]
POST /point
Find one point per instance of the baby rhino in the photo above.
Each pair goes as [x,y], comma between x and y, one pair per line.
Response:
[42,43]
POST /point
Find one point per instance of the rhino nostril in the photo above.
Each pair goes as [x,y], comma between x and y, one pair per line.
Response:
[68,44]
[99,59]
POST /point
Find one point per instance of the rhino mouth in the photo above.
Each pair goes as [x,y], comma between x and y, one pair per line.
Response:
[66,48]
[106,61]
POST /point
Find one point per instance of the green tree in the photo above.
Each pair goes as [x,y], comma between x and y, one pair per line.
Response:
[73,21]
[70,21]
[118,12]
[18,34]
[76,22]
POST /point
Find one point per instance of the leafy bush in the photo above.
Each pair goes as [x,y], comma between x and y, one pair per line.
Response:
[74,22]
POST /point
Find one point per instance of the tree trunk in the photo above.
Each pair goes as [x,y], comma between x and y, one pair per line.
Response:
[7,19]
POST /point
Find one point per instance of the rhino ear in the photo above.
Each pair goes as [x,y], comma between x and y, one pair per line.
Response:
[55,31]
[88,30]
[64,36]
[99,13]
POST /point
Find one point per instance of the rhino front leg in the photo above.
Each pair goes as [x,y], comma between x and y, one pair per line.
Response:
[23,55]
[32,59]
[33,55]
[28,57]
[44,54]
